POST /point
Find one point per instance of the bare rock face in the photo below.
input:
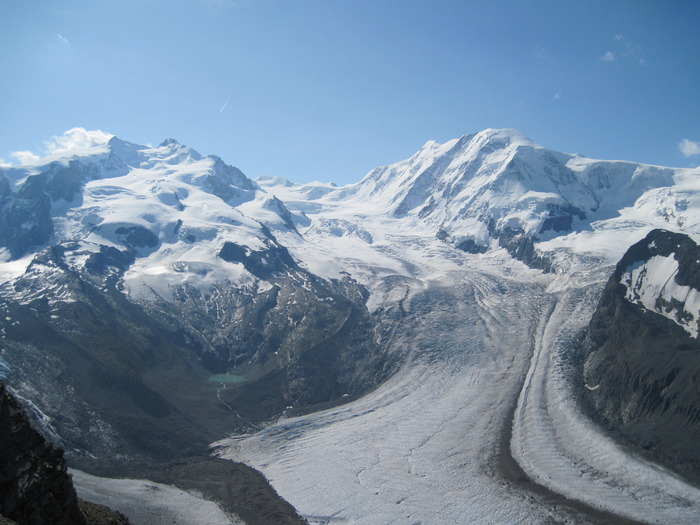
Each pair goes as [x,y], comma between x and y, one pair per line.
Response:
[642,371]
[35,486]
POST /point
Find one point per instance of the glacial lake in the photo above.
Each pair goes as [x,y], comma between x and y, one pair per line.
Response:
[229,379]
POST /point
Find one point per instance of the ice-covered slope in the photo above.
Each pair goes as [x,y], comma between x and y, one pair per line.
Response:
[169,206]
[497,188]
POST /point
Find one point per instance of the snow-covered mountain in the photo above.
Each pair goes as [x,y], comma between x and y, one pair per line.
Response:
[155,300]
[168,206]
[152,258]
[498,189]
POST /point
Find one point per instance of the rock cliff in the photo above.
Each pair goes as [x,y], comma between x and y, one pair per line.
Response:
[642,372]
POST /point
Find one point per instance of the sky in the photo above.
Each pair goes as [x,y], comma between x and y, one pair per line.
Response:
[329,89]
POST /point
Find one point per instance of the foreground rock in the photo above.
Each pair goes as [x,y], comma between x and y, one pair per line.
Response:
[35,486]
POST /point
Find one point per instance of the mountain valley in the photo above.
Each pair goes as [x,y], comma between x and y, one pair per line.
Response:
[460,337]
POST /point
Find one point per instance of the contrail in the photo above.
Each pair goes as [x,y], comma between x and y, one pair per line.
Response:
[224,106]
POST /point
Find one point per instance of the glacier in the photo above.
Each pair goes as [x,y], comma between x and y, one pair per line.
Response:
[481,331]
[429,445]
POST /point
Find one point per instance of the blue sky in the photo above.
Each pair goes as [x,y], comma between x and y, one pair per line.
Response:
[329,89]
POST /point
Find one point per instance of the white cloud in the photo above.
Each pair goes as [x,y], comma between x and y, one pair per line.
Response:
[623,49]
[76,139]
[557,95]
[72,142]
[25,157]
[689,148]
[63,39]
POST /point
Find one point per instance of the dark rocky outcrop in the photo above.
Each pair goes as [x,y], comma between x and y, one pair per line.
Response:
[108,256]
[560,218]
[643,369]
[35,487]
[137,237]
[263,264]
[100,515]
[522,247]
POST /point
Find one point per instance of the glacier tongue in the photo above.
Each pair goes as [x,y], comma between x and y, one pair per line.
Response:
[424,446]
[563,450]
[431,444]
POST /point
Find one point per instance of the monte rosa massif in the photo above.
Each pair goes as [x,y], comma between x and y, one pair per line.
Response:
[486,332]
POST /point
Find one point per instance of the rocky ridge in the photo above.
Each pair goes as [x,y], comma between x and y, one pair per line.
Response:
[642,370]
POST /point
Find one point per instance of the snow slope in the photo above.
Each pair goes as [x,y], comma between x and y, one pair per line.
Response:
[652,284]
[169,205]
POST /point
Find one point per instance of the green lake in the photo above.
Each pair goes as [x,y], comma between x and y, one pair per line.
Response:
[229,379]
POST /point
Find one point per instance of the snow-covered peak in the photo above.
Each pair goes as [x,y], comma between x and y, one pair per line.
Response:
[172,152]
[499,189]
[500,138]
[470,190]
[271,181]
[169,208]
[128,152]
[459,166]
